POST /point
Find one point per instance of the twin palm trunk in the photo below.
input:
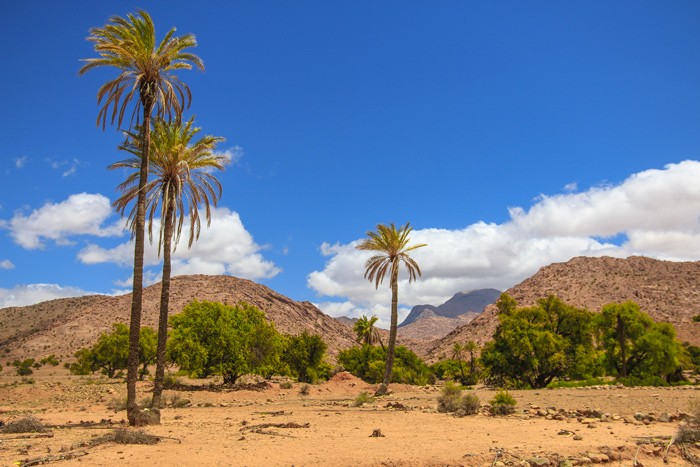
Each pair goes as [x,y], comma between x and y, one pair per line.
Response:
[132,408]
[163,314]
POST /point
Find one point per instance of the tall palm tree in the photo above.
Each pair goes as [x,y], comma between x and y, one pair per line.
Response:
[393,248]
[145,78]
[366,332]
[181,182]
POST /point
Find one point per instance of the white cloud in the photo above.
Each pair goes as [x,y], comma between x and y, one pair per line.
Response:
[226,247]
[22,295]
[80,214]
[6,264]
[233,154]
[20,162]
[658,212]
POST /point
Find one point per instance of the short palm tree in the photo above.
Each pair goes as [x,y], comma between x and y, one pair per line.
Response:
[366,332]
[393,248]
[146,80]
[181,182]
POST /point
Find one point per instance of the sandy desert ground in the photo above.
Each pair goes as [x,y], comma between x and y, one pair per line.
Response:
[276,426]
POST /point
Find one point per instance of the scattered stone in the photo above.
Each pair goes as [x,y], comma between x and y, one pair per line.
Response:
[578,437]
[598,457]
[539,461]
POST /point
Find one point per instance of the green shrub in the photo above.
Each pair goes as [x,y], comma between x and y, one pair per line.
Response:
[286,385]
[24,367]
[368,363]
[362,399]
[469,404]
[304,389]
[448,401]
[304,355]
[50,360]
[632,381]
[503,403]
[451,400]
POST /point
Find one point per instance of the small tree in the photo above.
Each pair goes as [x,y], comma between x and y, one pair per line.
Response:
[304,354]
[111,351]
[366,332]
[635,345]
[532,346]
[212,338]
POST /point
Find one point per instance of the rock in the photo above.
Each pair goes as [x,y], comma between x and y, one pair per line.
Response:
[578,437]
[539,461]
[665,417]
[598,457]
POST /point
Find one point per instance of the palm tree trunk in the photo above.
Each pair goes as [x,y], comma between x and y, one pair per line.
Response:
[164,300]
[383,388]
[132,408]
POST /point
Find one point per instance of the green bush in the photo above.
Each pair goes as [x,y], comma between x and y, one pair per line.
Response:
[451,400]
[50,360]
[448,400]
[304,355]
[632,381]
[368,363]
[362,399]
[503,403]
[24,367]
[469,404]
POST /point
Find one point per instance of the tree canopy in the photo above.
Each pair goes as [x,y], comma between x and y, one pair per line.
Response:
[211,338]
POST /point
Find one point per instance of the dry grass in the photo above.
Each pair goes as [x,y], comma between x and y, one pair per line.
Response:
[24,425]
[130,436]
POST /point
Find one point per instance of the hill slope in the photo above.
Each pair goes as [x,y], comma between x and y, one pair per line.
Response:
[666,290]
[63,326]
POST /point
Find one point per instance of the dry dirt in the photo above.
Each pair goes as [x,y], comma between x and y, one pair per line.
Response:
[278,426]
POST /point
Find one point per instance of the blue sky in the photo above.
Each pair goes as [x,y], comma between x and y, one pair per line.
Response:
[510,134]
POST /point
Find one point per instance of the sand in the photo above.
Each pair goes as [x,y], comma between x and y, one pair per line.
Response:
[277,426]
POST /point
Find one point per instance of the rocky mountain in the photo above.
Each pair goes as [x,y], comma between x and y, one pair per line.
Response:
[429,328]
[63,326]
[474,301]
[666,290]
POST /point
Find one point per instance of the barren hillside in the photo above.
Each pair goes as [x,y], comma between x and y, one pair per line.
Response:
[667,290]
[63,326]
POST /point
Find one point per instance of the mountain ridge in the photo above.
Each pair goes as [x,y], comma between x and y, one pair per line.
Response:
[666,290]
[64,325]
